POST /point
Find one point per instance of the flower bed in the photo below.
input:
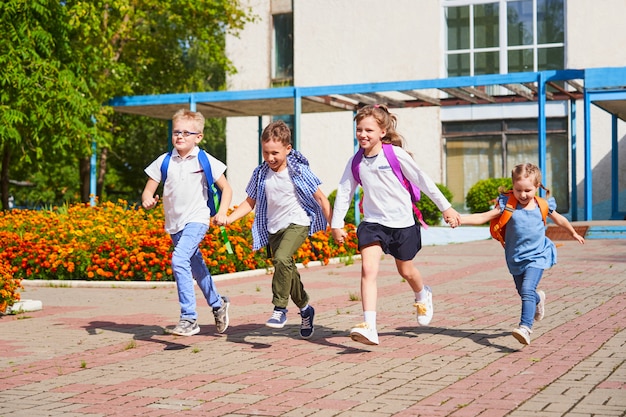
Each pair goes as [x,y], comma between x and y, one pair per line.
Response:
[9,287]
[113,241]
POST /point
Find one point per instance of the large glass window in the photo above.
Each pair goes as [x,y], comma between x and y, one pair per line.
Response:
[490,149]
[282,68]
[504,36]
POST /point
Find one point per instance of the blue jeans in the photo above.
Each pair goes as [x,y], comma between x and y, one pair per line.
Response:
[526,285]
[187,265]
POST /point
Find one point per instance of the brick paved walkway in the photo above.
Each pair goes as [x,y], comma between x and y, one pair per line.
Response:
[103,352]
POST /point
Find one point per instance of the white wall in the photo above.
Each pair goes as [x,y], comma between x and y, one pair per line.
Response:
[360,41]
[595,38]
[595,33]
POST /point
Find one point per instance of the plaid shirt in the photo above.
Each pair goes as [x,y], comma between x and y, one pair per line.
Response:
[306,184]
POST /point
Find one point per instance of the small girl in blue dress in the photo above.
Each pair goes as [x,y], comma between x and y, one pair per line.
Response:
[527,250]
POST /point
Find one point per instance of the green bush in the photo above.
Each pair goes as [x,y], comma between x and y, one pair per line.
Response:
[481,196]
[430,212]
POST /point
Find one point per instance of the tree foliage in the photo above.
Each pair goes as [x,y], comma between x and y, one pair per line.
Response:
[45,105]
[65,59]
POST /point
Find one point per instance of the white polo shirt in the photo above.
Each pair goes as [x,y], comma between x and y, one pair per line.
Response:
[186,189]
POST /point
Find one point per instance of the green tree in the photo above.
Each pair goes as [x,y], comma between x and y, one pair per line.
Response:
[148,47]
[45,105]
[101,50]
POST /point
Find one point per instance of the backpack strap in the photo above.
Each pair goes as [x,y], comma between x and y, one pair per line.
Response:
[543,206]
[505,216]
[214,193]
[413,190]
[355,165]
[164,166]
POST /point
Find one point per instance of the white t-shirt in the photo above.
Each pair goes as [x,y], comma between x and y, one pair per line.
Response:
[186,189]
[283,206]
[385,200]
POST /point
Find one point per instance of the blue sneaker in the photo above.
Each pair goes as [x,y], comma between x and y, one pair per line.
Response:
[306,328]
[278,319]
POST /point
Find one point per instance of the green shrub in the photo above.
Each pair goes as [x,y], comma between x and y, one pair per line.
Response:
[430,212]
[481,196]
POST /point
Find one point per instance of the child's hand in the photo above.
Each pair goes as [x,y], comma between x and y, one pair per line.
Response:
[150,203]
[579,238]
[339,235]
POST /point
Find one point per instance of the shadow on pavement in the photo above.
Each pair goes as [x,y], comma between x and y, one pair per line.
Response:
[138,332]
[479,336]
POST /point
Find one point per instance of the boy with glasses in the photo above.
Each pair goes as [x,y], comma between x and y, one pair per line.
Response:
[187,217]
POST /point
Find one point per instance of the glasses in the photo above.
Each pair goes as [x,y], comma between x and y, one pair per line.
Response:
[185,133]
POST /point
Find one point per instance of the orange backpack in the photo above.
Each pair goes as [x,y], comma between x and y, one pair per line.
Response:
[497,226]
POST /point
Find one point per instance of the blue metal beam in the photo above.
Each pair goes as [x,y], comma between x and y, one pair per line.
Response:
[587,181]
[574,136]
[297,113]
[614,171]
[542,131]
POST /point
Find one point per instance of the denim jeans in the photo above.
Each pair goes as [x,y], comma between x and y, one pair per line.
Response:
[526,285]
[286,280]
[187,265]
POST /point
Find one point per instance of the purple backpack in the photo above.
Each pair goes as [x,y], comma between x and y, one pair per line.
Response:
[413,189]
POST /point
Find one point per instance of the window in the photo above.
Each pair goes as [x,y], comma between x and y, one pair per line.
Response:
[491,148]
[282,48]
[504,36]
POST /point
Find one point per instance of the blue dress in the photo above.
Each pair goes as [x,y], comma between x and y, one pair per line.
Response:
[526,244]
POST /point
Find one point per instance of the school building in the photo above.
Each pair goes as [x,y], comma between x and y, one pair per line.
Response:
[478,86]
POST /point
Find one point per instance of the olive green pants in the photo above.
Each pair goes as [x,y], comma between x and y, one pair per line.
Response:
[286,280]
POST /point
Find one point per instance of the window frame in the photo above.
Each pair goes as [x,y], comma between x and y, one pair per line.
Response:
[503,48]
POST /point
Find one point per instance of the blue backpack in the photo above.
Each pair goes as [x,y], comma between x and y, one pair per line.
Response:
[215,194]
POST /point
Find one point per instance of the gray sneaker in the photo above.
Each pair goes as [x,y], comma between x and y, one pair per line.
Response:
[186,328]
[221,315]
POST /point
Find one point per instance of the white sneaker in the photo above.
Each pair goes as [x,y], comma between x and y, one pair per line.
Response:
[365,334]
[425,308]
[541,306]
[522,334]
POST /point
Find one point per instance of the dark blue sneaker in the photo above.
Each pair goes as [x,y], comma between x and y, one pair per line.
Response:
[278,319]
[306,328]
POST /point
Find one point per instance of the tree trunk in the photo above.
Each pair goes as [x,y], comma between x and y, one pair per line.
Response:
[4,176]
[102,170]
[85,182]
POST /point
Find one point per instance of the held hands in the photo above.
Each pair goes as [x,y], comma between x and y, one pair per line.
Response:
[339,235]
[452,217]
[220,220]
[150,203]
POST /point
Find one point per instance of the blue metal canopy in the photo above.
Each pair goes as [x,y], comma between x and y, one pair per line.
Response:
[603,87]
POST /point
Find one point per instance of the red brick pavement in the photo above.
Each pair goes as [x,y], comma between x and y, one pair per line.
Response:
[102,351]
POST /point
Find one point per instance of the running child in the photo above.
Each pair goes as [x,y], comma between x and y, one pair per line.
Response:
[527,249]
[388,224]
